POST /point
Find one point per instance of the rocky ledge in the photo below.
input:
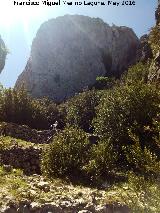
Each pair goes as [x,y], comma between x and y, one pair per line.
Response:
[37,194]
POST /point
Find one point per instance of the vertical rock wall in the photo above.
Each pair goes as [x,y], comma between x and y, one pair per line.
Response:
[69,52]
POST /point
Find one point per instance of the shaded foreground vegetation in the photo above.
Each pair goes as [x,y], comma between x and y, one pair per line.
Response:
[124,119]
[37,192]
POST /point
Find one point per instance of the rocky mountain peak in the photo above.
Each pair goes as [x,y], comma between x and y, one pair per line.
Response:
[69,52]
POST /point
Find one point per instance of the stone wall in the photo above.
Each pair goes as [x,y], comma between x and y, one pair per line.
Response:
[27,159]
[26,133]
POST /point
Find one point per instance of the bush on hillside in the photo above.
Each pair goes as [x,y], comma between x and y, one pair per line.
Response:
[104,83]
[15,106]
[44,113]
[127,107]
[80,110]
[18,107]
[140,194]
[154,39]
[67,154]
[102,161]
[137,73]
[143,161]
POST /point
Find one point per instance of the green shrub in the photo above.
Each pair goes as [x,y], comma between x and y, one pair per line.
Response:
[44,113]
[141,160]
[67,154]
[15,106]
[137,74]
[142,194]
[80,110]
[127,107]
[104,83]
[154,39]
[18,107]
[102,161]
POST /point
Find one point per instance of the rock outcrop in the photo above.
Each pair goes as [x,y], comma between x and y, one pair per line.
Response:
[149,49]
[69,52]
[65,208]
[3,54]
[154,39]
[144,52]
[38,194]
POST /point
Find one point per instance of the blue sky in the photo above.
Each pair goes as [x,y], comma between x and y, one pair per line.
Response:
[18,26]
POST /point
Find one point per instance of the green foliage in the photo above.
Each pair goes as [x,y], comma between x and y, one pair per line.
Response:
[141,195]
[18,107]
[124,107]
[15,106]
[104,83]
[154,39]
[8,142]
[127,107]
[146,194]
[102,161]
[137,73]
[44,113]
[141,160]
[67,154]
[80,110]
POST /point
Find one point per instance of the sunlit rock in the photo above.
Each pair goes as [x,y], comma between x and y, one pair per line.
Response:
[69,52]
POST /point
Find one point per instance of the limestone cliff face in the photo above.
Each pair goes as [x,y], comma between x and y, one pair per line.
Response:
[144,52]
[3,54]
[69,52]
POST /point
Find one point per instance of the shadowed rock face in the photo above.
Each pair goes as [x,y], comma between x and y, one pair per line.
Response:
[144,51]
[69,52]
[3,54]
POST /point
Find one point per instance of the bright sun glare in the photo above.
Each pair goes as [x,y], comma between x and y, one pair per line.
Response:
[11,14]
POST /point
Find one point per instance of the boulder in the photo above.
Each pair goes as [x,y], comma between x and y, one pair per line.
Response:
[69,52]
